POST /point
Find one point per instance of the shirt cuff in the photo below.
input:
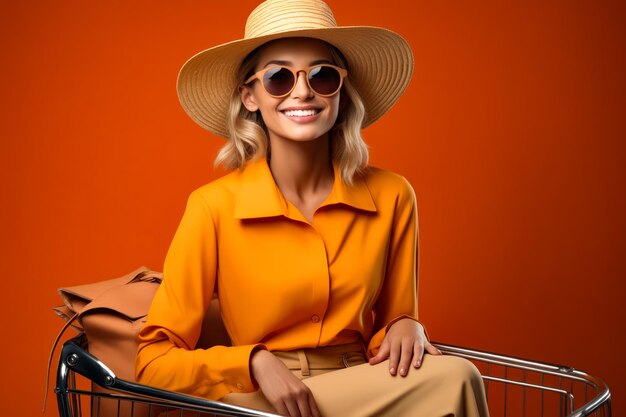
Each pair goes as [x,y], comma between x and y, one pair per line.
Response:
[235,365]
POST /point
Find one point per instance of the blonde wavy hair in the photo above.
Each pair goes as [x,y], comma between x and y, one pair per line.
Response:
[248,139]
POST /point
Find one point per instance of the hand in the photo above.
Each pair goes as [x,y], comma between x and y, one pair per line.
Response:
[404,342]
[287,394]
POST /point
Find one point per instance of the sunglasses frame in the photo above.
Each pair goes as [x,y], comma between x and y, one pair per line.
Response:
[343,73]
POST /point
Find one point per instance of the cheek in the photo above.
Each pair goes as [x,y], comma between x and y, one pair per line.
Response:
[334,106]
[267,113]
[265,103]
[268,109]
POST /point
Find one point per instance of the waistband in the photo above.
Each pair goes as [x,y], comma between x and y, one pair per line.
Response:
[323,358]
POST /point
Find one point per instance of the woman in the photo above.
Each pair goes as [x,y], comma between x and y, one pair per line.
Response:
[312,253]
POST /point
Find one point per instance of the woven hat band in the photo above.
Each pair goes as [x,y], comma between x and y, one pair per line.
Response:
[272,17]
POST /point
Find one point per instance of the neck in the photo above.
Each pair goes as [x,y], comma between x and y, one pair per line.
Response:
[301,168]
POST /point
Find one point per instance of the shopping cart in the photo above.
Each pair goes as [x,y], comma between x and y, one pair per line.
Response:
[514,387]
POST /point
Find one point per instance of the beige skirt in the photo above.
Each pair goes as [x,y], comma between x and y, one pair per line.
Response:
[344,384]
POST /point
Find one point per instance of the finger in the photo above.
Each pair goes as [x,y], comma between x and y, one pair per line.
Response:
[280,407]
[432,349]
[304,406]
[292,407]
[303,401]
[394,358]
[406,352]
[418,354]
[315,412]
[383,353]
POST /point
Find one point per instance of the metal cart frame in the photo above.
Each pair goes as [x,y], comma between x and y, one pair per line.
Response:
[515,387]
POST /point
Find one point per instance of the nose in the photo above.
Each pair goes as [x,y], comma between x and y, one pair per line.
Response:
[302,89]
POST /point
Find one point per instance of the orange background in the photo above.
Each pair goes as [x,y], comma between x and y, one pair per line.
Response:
[512,133]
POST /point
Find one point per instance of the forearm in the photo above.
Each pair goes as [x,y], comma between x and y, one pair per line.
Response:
[210,373]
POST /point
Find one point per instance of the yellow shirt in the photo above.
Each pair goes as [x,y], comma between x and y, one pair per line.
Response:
[282,283]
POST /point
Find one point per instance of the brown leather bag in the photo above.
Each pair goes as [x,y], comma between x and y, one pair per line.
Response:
[111,313]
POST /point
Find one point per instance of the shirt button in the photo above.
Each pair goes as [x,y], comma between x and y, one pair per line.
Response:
[315,318]
[239,386]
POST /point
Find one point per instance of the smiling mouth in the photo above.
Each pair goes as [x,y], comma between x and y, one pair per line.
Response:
[301,113]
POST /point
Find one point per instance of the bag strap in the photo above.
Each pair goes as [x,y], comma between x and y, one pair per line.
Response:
[54,346]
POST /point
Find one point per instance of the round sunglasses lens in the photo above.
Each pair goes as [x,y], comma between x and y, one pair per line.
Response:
[324,80]
[278,81]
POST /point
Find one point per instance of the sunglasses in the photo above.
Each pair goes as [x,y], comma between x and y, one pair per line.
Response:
[279,81]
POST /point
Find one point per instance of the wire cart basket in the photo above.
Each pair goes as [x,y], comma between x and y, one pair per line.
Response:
[514,387]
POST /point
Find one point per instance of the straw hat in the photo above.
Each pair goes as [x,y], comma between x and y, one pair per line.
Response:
[380,62]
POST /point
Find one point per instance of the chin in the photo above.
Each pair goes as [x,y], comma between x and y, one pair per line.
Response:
[299,132]
[305,135]
[304,138]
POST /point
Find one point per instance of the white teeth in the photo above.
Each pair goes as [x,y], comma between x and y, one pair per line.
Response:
[300,113]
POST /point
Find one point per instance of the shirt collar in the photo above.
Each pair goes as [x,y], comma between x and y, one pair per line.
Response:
[259,196]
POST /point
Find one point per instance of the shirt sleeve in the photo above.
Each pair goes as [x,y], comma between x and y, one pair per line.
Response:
[398,297]
[167,357]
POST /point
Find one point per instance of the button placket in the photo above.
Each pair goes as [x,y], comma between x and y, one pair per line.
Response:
[321,285]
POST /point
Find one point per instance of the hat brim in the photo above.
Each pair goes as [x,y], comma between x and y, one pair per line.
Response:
[380,67]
